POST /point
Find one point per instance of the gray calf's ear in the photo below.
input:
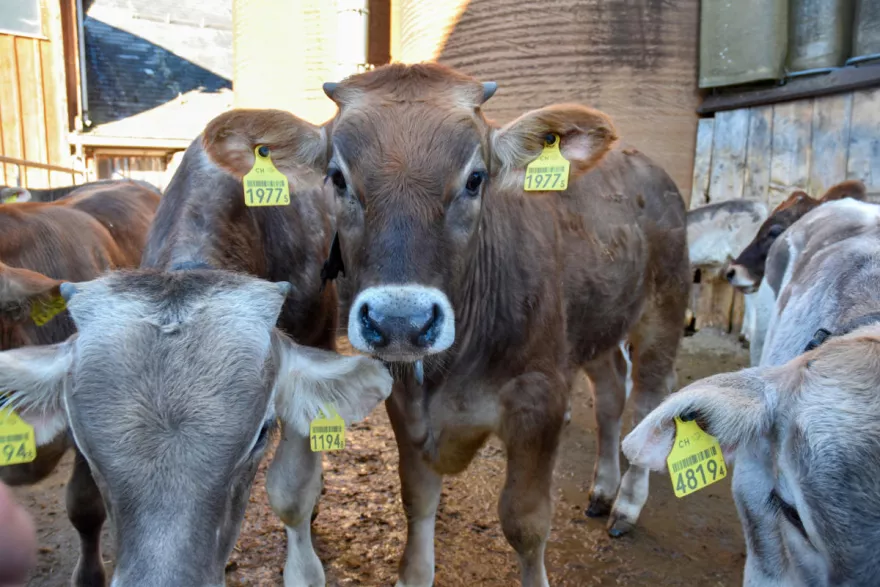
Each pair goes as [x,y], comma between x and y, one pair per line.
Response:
[730,406]
[310,378]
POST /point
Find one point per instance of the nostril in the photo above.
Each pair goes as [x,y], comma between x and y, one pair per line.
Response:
[370,329]
[430,330]
[731,273]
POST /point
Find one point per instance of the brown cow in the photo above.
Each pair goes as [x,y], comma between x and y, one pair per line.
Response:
[203,222]
[484,298]
[12,194]
[97,228]
[747,270]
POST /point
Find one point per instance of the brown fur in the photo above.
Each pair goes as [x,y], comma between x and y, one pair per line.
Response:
[98,227]
[542,284]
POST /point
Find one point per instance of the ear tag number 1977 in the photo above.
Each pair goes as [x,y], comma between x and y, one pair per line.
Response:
[549,172]
[327,432]
[264,185]
[17,442]
[695,460]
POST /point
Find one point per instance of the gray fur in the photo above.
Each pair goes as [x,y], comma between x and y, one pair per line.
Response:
[803,427]
[168,388]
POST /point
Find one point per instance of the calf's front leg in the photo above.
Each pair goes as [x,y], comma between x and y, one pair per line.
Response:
[294,486]
[420,492]
[533,414]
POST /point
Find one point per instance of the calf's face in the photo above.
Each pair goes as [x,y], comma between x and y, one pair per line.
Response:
[410,157]
[805,441]
[171,389]
[747,271]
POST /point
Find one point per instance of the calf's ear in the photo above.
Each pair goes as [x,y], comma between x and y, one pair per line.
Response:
[852,188]
[12,195]
[20,285]
[32,384]
[730,406]
[585,136]
[308,378]
[294,145]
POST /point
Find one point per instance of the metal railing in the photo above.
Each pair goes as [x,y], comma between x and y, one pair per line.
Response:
[21,163]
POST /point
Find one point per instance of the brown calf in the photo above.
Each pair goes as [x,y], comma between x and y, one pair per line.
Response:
[747,271]
[203,222]
[487,299]
[97,228]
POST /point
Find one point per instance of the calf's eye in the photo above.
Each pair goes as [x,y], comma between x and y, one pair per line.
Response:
[474,182]
[338,179]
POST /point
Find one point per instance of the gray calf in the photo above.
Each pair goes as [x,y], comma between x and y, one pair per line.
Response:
[716,235]
[170,389]
[803,427]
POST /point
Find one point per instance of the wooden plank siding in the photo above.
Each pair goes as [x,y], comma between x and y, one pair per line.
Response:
[766,152]
[33,110]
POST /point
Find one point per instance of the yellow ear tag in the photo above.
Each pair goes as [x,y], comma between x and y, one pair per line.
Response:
[264,185]
[327,432]
[17,442]
[549,172]
[11,199]
[43,310]
[695,461]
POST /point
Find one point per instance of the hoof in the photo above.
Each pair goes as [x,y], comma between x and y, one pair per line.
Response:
[619,526]
[599,507]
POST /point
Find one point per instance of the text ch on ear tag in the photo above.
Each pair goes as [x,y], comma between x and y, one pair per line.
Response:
[264,185]
[17,442]
[327,431]
[549,172]
[43,310]
[695,461]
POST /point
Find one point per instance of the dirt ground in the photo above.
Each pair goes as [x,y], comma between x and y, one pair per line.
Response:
[360,531]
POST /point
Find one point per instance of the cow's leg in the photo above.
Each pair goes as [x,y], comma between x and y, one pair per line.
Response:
[420,492]
[607,374]
[653,378]
[85,508]
[533,414]
[294,486]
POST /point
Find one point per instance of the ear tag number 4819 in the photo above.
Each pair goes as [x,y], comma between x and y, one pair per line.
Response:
[264,185]
[327,431]
[549,172]
[17,442]
[695,460]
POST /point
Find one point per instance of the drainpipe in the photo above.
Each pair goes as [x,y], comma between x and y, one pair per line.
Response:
[352,37]
[83,84]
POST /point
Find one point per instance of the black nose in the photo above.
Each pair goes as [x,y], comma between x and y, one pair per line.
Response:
[731,273]
[419,329]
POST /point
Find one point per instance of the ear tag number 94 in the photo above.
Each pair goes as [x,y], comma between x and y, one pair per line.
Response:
[695,460]
[264,185]
[17,442]
[327,432]
[549,172]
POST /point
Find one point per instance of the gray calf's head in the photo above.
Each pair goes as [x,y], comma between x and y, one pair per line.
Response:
[171,388]
[805,438]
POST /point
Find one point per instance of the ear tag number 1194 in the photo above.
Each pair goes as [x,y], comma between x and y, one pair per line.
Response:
[327,432]
[264,185]
[695,460]
[549,172]
[17,442]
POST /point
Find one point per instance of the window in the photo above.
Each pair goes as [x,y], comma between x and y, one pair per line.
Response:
[21,17]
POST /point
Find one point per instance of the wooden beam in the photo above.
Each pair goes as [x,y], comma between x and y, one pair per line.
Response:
[837,81]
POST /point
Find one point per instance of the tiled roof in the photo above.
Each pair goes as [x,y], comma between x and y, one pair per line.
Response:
[157,69]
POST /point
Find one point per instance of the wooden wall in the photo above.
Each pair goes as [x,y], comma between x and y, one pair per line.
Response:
[634,59]
[765,153]
[33,103]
